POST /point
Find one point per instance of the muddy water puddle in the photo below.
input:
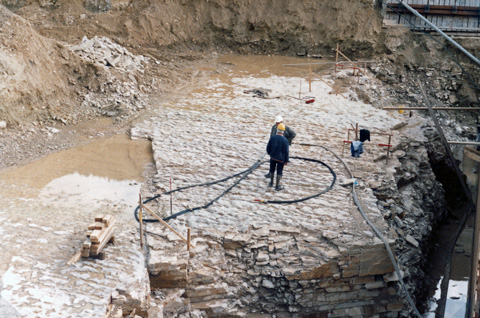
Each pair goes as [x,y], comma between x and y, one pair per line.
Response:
[239,66]
[107,168]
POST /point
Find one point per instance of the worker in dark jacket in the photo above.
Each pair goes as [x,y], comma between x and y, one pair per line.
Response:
[289,134]
[277,148]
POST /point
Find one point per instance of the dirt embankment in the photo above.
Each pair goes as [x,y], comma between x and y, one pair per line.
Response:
[305,26]
[35,72]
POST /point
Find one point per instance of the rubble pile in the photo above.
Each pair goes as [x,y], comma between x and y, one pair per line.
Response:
[103,51]
[123,92]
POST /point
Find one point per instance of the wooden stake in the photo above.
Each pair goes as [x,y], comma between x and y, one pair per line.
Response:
[309,78]
[300,92]
[388,148]
[140,219]
[188,238]
[348,139]
[356,131]
[171,197]
[336,92]
[336,61]
[165,224]
[354,64]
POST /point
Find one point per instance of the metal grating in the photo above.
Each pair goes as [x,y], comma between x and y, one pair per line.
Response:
[447,15]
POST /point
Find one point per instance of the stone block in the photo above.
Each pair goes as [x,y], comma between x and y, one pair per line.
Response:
[205,291]
[169,279]
[374,260]
[362,280]
[262,257]
[235,240]
[395,306]
[375,285]
[200,277]
[348,312]
[325,270]
[411,240]
[160,262]
[337,289]
[268,283]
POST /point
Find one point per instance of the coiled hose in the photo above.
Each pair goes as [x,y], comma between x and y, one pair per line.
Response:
[243,175]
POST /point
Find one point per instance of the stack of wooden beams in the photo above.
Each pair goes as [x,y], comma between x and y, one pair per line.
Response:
[99,234]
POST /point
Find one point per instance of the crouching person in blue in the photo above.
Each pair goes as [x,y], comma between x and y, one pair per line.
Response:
[277,148]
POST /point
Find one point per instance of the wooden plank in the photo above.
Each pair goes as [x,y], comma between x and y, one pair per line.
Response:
[87,243]
[354,64]
[96,226]
[165,224]
[99,218]
[472,154]
[101,237]
[86,252]
[75,257]
[97,248]
[89,233]
[96,235]
[107,219]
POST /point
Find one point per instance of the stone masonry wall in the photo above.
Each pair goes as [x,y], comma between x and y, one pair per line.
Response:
[271,271]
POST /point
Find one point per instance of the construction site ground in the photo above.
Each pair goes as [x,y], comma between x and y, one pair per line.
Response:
[210,131]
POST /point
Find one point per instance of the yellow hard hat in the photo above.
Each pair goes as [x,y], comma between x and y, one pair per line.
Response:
[281,127]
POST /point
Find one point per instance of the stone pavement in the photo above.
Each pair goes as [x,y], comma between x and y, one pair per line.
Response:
[314,256]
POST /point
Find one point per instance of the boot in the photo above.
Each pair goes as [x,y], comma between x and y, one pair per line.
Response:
[278,187]
[268,175]
[271,180]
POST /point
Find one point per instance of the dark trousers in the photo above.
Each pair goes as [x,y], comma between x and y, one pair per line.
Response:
[277,164]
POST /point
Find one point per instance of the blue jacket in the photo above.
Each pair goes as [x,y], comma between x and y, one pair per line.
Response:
[356,147]
[277,148]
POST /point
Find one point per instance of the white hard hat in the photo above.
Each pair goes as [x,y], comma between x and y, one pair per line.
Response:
[278,119]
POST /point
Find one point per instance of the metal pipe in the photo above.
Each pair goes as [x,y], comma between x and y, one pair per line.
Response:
[409,8]
[474,143]
[434,108]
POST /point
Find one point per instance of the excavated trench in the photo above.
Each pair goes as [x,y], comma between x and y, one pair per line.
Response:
[449,249]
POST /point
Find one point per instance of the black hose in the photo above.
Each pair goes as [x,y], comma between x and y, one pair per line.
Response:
[243,174]
[312,196]
[379,235]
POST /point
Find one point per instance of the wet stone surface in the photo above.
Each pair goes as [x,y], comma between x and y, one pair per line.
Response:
[252,257]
